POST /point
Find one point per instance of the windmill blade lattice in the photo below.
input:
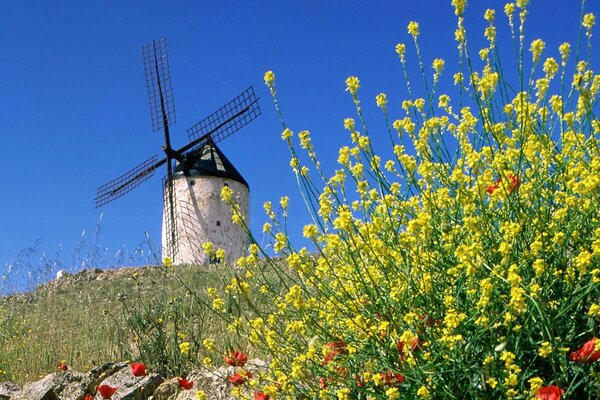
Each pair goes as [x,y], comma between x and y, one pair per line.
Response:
[158,82]
[228,119]
[171,218]
[128,181]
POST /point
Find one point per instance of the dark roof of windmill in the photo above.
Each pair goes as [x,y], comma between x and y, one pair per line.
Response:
[209,160]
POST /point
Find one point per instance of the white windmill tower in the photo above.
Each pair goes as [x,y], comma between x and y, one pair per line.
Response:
[193,211]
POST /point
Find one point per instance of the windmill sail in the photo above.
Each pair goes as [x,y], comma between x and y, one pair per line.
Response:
[128,181]
[228,119]
[158,83]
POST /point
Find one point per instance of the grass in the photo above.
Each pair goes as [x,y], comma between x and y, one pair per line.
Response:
[98,316]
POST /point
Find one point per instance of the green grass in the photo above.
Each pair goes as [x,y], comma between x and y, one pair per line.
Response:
[116,315]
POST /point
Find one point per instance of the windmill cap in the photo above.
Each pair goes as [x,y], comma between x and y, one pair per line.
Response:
[209,160]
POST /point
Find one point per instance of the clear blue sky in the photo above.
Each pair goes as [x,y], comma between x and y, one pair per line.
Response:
[75,112]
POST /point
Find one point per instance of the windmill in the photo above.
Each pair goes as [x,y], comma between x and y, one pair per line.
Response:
[195,173]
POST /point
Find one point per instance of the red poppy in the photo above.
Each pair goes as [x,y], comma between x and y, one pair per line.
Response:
[360,380]
[587,353]
[238,378]
[261,396]
[492,188]
[236,359]
[138,369]
[551,392]
[89,397]
[185,384]
[62,366]
[514,183]
[336,348]
[322,383]
[391,378]
[106,391]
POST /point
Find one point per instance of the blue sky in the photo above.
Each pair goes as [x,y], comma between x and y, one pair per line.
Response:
[75,112]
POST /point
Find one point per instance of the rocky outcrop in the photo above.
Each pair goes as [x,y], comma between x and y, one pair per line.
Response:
[73,385]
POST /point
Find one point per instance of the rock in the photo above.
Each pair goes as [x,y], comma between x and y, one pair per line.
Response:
[130,387]
[39,390]
[73,385]
[8,389]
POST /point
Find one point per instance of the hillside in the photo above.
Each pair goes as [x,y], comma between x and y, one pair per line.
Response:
[98,316]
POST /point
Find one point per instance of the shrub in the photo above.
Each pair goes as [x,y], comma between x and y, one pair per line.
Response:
[463,266]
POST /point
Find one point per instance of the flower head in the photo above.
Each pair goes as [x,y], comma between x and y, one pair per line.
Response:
[185,384]
[106,391]
[588,353]
[381,100]
[62,365]
[269,78]
[589,20]
[239,378]
[261,396]
[184,348]
[413,28]
[352,84]
[236,359]
[551,392]
[401,50]
[537,46]
[138,369]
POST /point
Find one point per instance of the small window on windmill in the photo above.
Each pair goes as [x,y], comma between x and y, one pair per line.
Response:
[192,182]
[218,223]
[226,184]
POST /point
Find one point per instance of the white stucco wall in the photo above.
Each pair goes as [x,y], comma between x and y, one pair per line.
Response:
[202,216]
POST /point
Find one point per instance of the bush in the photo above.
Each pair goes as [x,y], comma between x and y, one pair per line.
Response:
[466,264]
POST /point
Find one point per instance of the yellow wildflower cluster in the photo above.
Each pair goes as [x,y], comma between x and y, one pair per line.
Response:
[468,263]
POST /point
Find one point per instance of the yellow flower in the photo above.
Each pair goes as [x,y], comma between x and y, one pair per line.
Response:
[413,28]
[489,15]
[349,124]
[286,134]
[208,248]
[423,392]
[269,78]
[594,311]
[352,84]
[284,202]
[545,349]
[226,193]
[492,382]
[537,46]
[459,6]
[381,100]
[401,50]
[310,231]
[565,50]
[522,3]
[209,344]
[438,65]
[550,67]
[588,21]
[184,348]
[535,383]
[200,395]
[509,9]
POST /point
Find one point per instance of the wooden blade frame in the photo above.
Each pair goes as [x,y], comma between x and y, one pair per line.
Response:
[171,218]
[158,82]
[227,120]
[128,181]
